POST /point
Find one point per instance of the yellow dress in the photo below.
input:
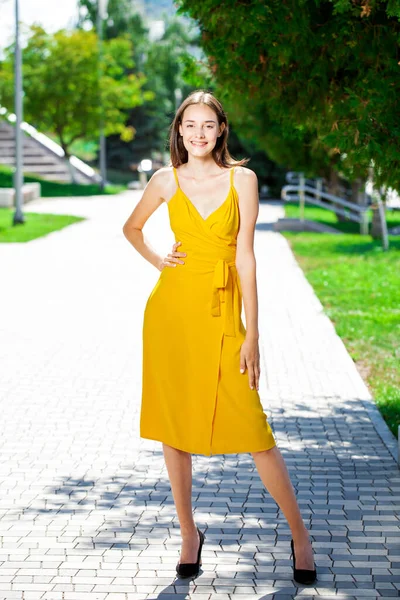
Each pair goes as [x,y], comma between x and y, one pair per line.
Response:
[194,397]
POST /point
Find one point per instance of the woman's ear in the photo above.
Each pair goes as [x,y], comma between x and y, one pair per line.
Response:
[221,129]
[180,129]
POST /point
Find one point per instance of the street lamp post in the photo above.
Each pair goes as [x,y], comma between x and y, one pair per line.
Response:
[101,15]
[18,172]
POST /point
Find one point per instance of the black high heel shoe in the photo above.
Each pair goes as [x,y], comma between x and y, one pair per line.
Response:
[191,569]
[302,575]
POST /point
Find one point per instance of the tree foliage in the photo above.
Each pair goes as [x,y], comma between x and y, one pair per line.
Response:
[161,60]
[316,82]
[62,87]
[122,20]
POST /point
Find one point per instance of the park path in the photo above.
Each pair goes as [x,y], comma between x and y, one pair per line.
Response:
[86,511]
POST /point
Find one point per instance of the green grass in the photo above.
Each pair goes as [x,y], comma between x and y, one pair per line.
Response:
[358,283]
[36,225]
[52,188]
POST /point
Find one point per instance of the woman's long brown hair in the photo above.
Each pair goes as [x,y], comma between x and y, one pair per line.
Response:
[220,152]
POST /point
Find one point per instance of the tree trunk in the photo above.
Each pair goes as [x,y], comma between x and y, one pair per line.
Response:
[333,188]
[70,167]
[376,226]
[64,146]
[357,192]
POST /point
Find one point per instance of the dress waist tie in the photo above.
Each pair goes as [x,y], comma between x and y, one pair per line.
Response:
[225,279]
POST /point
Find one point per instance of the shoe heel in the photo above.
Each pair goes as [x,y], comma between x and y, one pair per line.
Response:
[185,570]
[305,576]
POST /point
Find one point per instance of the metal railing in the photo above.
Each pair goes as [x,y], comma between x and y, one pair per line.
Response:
[307,190]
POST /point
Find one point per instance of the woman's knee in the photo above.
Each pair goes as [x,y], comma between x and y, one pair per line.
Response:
[263,452]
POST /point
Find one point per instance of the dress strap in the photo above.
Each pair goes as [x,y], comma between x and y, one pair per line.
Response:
[176,176]
[232,171]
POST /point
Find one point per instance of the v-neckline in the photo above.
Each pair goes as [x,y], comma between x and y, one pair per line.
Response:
[205,219]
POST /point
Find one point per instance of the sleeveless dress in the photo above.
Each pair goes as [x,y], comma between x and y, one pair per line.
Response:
[194,397]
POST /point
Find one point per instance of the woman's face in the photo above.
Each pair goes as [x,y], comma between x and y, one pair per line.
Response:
[200,129]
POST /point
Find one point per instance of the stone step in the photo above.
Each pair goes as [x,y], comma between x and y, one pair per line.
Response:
[30,191]
[36,168]
[28,153]
[37,158]
[7,146]
[27,145]
[27,161]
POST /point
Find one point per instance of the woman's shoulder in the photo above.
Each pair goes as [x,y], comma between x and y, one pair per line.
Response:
[163,175]
[244,176]
[163,182]
[244,172]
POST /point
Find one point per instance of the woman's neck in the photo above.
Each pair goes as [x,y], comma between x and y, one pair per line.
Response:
[201,166]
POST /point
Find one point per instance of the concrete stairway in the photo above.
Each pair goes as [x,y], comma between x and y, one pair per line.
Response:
[40,158]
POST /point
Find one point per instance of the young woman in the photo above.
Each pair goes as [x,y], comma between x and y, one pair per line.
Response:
[201,366]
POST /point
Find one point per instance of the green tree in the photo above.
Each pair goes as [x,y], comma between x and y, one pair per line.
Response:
[244,129]
[122,20]
[163,65]
[161,61]
[316,82]
[63,89]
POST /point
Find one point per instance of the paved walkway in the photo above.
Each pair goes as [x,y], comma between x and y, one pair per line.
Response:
[86,511]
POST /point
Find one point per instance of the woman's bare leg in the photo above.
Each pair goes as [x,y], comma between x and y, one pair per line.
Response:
[274,475]
[179,467]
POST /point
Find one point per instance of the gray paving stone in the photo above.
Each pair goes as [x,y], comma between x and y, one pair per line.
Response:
[88,512]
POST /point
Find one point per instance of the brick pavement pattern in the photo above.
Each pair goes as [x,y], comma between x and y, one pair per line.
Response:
[86,510]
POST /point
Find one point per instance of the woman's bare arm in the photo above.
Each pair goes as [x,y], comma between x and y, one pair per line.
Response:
[246,185]
[247,188]
[159,186]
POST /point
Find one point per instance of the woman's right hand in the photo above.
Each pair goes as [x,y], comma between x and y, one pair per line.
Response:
[172,259]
